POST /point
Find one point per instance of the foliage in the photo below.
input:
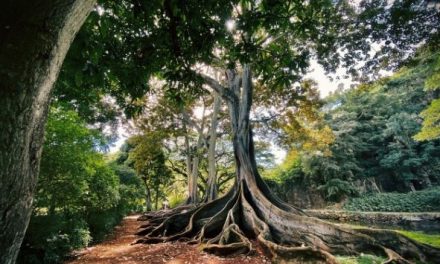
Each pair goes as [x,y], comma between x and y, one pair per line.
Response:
[431,115]
[374,125]
[53,237]
[131,189]
[79,198]
[176,199]
[372,148]
[420,201]
[431,119]
[148,160]
[335,189]
[302,125]
[123,44]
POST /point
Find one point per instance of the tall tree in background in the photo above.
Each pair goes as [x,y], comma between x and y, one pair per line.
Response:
[149,159]
[212,187]
[198,130]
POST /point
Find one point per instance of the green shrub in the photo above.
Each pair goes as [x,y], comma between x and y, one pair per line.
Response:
[420,201]
[50,238]
[176,199]
[79,197]
[336,189]
[102,222]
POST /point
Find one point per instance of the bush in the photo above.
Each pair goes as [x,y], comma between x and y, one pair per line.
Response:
[420,201]
[50,238]
[176,199]
[102,222]
[79,195]
[336,189]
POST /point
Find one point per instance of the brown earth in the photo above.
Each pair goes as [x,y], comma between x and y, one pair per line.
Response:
[118,248]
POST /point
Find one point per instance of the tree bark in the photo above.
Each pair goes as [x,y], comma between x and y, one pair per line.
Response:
[211,191]
[411,186]
[188,162]
[147,198]
[193,190]
[426,180]
[374,184]
[35,37]
[285,233]
[156,198]
[193,163]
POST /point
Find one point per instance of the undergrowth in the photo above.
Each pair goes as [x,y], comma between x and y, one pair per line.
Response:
[420,201]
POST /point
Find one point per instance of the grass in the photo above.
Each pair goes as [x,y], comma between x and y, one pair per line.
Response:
[432,240]
[363,259]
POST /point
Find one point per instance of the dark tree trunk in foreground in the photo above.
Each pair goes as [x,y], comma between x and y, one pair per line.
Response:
[34,39]
[250,211]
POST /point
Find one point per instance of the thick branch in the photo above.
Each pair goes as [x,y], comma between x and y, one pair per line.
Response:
[224,92]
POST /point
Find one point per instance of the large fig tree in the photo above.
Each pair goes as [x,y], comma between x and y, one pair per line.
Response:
[270,44]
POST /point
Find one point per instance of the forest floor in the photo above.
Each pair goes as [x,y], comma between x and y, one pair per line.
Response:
[118,248]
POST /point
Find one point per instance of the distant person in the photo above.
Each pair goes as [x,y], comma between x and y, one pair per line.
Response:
[165,205]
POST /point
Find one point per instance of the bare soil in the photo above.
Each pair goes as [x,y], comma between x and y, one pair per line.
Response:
[119,248]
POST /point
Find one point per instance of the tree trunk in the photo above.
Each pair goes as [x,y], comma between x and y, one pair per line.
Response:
[147,198]
[193,197]
[156,202]
[35,37]
[411,186]
[188,163]
[211,192]
[426,180]
[374,185]
[250,211]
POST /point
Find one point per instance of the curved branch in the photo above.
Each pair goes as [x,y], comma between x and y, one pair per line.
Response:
[224,92]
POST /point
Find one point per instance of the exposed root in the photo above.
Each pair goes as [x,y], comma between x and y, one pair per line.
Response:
[226,225]
[164,213]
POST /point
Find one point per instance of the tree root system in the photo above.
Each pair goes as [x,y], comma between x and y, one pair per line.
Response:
[227,225]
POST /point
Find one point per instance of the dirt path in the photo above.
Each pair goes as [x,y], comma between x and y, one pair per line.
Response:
[118,249]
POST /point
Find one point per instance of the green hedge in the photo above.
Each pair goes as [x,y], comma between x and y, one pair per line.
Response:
[420,201]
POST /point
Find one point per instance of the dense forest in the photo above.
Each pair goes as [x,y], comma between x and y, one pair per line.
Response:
[203,98]
[376,144]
